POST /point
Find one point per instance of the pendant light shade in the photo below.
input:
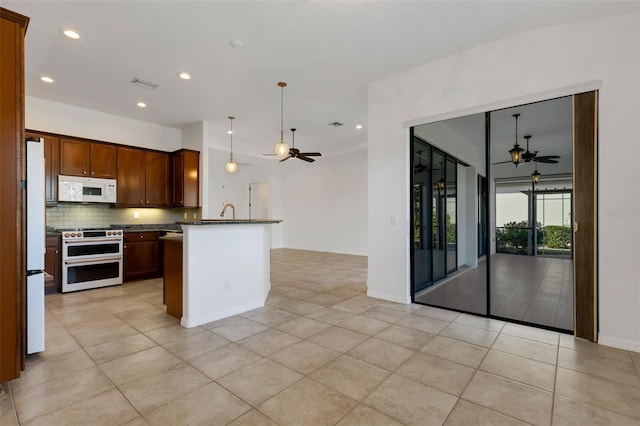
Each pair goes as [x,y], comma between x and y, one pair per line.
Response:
[231,166]
[281,149]
[535,177]
[516,151]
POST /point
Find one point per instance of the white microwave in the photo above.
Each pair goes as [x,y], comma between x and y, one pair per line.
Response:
[86,190]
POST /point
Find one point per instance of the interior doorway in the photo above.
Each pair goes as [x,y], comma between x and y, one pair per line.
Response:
[259,200]
[524,214]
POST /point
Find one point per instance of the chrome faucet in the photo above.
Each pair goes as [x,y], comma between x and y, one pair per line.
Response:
[233,210]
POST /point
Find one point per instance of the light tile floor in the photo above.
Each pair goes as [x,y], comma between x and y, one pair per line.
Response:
[533,289]
[320,353]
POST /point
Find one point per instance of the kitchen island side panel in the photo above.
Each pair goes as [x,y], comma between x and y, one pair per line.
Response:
[226,271]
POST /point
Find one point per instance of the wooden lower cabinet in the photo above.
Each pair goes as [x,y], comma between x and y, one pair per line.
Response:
[173,277]
[53,265]
[142,255]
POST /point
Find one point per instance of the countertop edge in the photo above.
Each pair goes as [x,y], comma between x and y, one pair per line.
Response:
[230,222]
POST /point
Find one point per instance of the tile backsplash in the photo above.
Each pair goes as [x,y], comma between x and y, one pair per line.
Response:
[95,215]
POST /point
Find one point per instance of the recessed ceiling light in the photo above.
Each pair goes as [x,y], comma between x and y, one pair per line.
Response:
[141,104]
[70,33]
[185,76]
[46,79]
[359,126]
[229,132]
[236,43]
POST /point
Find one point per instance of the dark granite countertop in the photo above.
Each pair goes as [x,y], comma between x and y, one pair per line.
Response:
[229,221]
[161,227]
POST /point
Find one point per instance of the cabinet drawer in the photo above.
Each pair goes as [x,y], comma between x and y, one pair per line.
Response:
[134,237]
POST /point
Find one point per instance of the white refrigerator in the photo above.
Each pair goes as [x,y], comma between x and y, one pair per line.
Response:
[35,245]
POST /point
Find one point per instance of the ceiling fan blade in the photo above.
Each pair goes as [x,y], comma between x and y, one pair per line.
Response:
[546,157]
[502,162]
[285,158]
[311,154]
[307,159]
[546,160]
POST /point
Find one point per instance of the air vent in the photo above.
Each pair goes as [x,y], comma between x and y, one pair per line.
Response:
[336,124]
[144,84]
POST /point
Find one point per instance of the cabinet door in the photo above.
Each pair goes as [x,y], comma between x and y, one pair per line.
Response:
[131,177]
[74,157]
[157,179]
[51,167]
[141,260]
[52,265]
[178,179]
[103,161]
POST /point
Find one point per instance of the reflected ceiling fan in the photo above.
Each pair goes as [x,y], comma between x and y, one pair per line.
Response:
[528,156]
[519,155]
[295,152]
[419,168]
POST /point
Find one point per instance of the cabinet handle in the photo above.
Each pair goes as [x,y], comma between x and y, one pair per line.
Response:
[141,236]
[57,252]
[84,172]
[93,173]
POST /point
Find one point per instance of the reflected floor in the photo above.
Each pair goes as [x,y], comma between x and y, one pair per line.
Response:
[538,290]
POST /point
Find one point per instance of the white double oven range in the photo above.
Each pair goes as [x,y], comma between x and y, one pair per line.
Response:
[91,258]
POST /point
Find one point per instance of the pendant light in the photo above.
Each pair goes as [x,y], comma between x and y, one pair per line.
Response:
[535,176]
[281,149]
[516,151]
[231,166]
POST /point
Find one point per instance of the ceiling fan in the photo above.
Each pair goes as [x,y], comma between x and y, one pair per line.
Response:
[519,155]
[528,156]
[419,168]
[295,152]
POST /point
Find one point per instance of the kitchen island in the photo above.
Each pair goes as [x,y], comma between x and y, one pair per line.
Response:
[226,268]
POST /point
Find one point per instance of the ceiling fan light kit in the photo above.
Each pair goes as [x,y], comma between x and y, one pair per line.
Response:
[231,166]
[281,149]
[516,151]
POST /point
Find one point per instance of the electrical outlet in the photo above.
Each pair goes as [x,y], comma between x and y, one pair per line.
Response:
[136,215]
[195,215]
[185,215]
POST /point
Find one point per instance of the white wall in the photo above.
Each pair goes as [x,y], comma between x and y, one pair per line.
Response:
[529,66]
[325,204]
[69,120]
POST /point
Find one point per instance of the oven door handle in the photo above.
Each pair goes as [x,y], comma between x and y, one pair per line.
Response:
[97,240]
[97,260]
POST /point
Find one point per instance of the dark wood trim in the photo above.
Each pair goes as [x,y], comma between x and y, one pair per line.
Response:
[12,202]
[585,172]
[12,16]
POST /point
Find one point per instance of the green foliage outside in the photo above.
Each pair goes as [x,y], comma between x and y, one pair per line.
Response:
[513,237]
[556,236]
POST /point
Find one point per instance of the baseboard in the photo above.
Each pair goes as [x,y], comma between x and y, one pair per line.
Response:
[616,342]
[388,296]
[194,322]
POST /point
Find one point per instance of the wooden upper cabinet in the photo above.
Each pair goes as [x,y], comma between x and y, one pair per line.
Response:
[88,159]
[131,177]
[186,178]
[143,178]
[103,161]
[75,157]
[157,179]
[51,166]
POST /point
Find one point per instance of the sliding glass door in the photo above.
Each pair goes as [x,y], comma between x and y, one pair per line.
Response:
[434,201]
